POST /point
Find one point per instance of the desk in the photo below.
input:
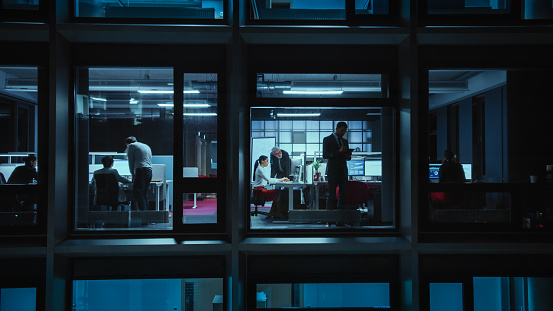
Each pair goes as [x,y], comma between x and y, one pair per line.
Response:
[291,185]
[158,185]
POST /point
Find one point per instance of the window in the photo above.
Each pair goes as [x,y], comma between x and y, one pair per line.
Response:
[139,9]
[537,9]
[20,4]
[20,299]
[113,103]
[20,176]
[299,132]
[476,115]
[148,294]
[468,7]
[333,11]
[323,296]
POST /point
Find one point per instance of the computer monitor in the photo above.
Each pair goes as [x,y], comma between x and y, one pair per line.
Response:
[356,167]
[434,170]
[467,167]
[373,168]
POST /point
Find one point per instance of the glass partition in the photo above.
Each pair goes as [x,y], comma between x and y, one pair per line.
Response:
[168,9]
[18,299]
[537,9]
[112,105]
[199,208]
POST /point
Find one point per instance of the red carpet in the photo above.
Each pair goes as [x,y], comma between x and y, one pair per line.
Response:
[205,207]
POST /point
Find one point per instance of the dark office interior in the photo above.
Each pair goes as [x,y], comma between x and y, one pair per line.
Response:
[411,78]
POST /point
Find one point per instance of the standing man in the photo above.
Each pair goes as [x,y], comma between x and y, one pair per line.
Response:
[336,151]
[280,163]
[140,165]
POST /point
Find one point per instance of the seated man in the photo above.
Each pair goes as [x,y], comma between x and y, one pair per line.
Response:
[107,161]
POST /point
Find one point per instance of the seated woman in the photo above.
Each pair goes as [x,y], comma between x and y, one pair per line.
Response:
[262,179]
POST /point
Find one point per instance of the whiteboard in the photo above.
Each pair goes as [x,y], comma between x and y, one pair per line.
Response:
[261,146]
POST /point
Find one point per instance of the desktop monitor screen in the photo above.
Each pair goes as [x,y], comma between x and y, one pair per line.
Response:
[467,167]
[373,168]
[356,168]
[434,171]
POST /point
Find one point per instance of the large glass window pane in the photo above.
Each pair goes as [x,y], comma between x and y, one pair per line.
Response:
[19,163]
[446,296]
[113,104]
[271,85]
[323,295]
[181,9]
[19,4]
[18,299]
[200,124]
[313,10]
[538,9]
[302,202]
[468,7]
[199,208]
[148,294]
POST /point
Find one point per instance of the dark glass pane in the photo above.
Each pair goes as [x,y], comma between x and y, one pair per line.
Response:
[538,9]
[20,4]
[182,9]
[323,295]
[468,7]
[446,296]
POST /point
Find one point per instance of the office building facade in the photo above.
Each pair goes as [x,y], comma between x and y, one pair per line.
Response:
[411,78]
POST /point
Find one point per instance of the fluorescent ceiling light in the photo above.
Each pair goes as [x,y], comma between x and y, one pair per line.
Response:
[298,114]
[206,114]
[99,99]
[313,92]
[21,90]
[186,105]
[166,92]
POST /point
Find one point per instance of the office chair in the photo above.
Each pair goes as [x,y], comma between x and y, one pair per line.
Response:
[257,199]
[358,193]
[107,190]
[9,202]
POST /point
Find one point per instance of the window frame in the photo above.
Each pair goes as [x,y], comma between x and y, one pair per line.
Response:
[307,60]
[19,55]
[93,55]
[475,58]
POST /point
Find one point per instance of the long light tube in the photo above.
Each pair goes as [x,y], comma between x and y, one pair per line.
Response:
[206,114]
[313,92]
[167,92]
[298,114]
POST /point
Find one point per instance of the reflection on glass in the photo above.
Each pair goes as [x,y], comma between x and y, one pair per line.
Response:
[512,293]
[286,85]
[313,10]
[468,7]
[446,296]
[200,125]
[19,143]
[199,208]
[111,105]
[299,136]
[147,294]
[18,299]
[470,207]
[19,4]
[538,9]
[181,9]
[323,295]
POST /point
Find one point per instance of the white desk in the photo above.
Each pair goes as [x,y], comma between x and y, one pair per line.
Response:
[290,185]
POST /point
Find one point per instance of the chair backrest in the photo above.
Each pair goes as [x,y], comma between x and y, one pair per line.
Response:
[107,190]
[159,173]
[358,192]
[190,171]
[257,197]
[2,179]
